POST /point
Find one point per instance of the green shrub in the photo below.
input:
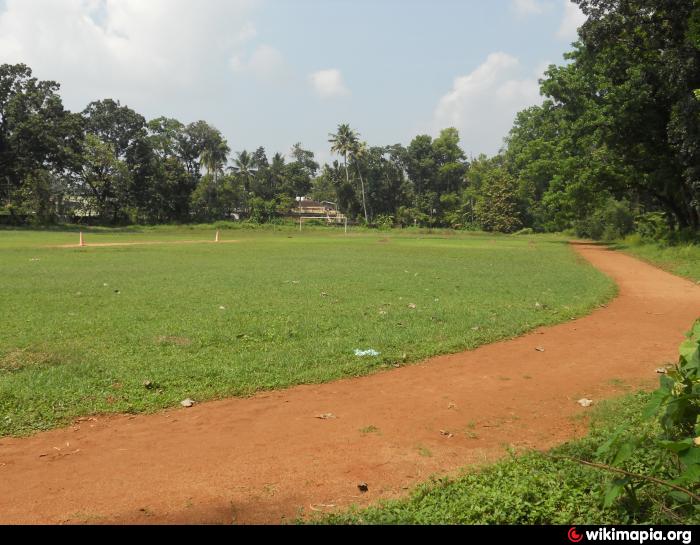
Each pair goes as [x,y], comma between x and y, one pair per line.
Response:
[498,209]
[653,227]
[610,222]
[384,222]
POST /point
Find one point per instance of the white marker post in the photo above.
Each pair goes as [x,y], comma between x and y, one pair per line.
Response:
[218,236]
[82,242]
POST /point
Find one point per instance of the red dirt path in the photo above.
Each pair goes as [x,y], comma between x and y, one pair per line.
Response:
[266,458]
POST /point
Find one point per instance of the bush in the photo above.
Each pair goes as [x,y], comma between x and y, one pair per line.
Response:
[410,217]
[671,452]
[612,221]
[653,227]
[498,209]
[384,222]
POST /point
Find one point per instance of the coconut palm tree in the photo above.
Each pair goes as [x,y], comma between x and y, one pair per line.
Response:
[345,142]
[277,176]
[214,157]
[244,165]
[358,151]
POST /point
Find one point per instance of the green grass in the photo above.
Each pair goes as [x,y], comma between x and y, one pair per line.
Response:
[534,488]
[683,260]
[83,329]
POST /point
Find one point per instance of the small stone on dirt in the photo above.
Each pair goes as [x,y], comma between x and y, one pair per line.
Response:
[326,416]
[363,487]
[662,371]
[446,433]
[585,402]
[539,349]
[187,403]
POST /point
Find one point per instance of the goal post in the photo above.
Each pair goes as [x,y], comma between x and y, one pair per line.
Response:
[336,220]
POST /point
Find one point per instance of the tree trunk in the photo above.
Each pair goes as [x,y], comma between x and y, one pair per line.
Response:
[362,184]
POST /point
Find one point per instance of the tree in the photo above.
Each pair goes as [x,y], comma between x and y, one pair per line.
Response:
[36,133]
[358,151]
[420,163]
[114,124]
[450,161]
[629,89]
[103,178]
[214,155]
[498,207]
[244,166]
[344,143]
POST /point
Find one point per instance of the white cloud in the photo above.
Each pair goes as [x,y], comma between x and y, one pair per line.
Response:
[572,20]
[329,83]
[125,49]
[247,33]
[265,62]
[527,7]
[483,104]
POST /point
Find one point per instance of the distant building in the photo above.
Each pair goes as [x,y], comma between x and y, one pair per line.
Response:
[310,208]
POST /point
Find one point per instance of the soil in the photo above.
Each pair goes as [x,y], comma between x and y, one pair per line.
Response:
[271,458]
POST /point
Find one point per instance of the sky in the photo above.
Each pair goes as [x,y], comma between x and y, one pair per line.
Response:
[276,72]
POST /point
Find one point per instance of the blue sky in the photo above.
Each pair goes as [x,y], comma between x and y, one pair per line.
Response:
[275,72]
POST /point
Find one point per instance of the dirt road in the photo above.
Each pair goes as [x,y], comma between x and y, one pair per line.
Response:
[269,458]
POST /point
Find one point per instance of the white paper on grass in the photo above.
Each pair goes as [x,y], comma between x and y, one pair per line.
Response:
[364,353]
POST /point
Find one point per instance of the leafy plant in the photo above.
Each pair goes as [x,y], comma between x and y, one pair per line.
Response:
[675,407]
[653,227]
[384,222]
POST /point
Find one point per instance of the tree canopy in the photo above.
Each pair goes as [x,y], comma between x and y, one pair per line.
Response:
[616,138]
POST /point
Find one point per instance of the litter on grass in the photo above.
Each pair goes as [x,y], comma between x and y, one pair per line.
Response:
[365,353]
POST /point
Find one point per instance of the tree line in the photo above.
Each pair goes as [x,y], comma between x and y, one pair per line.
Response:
[614,146]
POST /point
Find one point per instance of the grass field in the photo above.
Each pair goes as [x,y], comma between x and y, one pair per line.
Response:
[83,329]
[683,260]
[534,488]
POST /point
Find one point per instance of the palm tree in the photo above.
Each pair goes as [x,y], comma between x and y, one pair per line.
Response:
[345,142]
[358,151]
[244,165]
[214,157]
[277,172]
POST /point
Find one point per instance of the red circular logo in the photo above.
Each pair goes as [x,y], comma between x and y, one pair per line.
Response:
[574,536]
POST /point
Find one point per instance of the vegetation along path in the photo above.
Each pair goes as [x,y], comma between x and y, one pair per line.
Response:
[270,458]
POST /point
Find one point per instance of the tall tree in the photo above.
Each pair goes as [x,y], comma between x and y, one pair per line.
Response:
[36,132]
[344,142]
[214,156]
[114,124]
[359,151]
[244,166]
[629,88]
